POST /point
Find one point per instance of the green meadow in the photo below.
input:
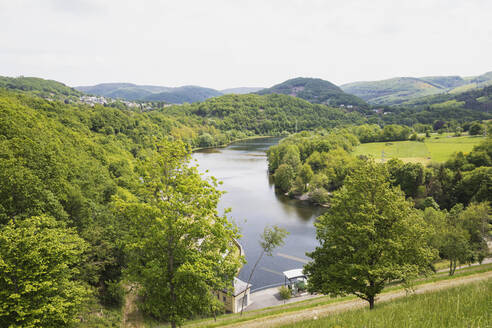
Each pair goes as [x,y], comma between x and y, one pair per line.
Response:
[462,306]
[437,148]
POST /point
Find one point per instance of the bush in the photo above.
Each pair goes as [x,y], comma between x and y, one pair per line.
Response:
[285,293]
[301,286]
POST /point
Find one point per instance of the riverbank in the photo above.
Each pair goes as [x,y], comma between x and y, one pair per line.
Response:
[234,141]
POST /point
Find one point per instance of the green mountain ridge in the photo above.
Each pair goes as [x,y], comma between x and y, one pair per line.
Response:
[396,91]
[316,91]
[240,90]
[130,91]
[41,87]
[479,99]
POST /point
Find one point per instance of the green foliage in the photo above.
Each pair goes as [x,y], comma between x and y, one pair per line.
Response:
[373,133]
[131,91]
[369,236]
[285,292]
[38,270]
[38,86]
[177,240]
[267,115]
[460,234]
[476,129]
[409,176]
[271,238]
[321,159]
[316,91]
[418,91]
[284,177]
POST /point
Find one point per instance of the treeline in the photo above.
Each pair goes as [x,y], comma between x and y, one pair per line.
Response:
[374,133]
[315,163]
[371,236]
[38,86]
[312,162]
[268,115]
[411,116]
[479,99]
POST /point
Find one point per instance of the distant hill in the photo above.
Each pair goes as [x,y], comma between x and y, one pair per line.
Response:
[240,91]
[476,99]
[38,86]
[129,91]
[180,95]
[399,90]
[316,91]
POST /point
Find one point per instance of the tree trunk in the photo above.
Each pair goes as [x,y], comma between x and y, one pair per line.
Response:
[249,279]
[452,267]
[371,302]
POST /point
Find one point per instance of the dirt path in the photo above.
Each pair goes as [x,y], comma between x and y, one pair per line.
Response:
[324,310]
[132,317]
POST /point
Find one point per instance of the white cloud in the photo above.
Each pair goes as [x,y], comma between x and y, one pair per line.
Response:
[223,43]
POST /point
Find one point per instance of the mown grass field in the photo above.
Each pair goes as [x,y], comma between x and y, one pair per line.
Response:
[437,148]
[462,306]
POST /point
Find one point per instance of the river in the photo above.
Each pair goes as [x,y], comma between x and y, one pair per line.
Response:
[242,167]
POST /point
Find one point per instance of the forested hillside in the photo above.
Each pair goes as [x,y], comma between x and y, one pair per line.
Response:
[476,99]
[38,86]
[316,91]
[129,91]
[72,179]
[316,163]
[269,115]
[399,90]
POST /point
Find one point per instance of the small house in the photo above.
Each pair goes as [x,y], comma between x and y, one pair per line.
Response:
[233,301]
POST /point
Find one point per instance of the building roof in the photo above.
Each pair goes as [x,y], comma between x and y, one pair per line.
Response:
[240,286]
[294,273]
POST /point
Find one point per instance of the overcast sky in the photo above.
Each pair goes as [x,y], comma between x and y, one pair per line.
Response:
[232,43]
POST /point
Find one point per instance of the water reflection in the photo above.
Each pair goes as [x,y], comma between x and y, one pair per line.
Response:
[250,193]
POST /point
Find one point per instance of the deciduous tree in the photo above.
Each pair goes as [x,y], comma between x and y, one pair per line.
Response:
[38,266]
[371,235]
[180,250]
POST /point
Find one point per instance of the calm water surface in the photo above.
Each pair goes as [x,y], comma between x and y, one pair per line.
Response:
[242,167]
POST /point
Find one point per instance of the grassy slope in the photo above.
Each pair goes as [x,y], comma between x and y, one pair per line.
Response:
[403,90]
[462,306]
[438,148]
[230,319]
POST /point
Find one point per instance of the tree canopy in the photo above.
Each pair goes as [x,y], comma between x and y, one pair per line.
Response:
[370,235]
[39,260]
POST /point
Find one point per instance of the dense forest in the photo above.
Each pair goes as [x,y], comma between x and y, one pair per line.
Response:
[316,91]
[130,91]
[78,175]
[316,163]
[41,87]
[476,99]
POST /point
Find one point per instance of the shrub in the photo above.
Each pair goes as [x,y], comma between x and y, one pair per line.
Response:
[285,293]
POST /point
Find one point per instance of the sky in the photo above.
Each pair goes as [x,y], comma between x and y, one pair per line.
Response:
[236,43]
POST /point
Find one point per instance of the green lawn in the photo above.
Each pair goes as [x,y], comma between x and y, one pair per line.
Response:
[441,148]
[437,148]
[463,306]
